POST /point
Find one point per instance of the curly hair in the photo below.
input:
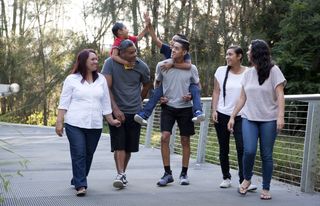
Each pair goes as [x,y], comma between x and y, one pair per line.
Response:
[261,58]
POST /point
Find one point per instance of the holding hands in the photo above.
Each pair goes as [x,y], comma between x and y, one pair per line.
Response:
[111,121]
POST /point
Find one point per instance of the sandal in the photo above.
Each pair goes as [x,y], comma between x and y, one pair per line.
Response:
[242,190]
[81,192]
[265,195]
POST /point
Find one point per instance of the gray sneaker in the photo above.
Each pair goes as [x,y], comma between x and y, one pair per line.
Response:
[184,180]
[165,179]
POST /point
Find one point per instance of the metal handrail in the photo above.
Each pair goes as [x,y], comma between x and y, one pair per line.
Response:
[311,136]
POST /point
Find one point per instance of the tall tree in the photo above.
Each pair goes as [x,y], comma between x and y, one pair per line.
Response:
[298,51]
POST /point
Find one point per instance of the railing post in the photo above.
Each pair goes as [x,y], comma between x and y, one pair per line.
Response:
[149,130]
[308,173]
[173,138]
[203,135]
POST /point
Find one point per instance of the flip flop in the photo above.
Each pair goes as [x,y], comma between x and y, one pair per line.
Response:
[81,192]
[243,190]
[265,195]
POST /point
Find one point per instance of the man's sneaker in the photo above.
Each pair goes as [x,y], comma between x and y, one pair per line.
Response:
[252,187]
[198,117]
[225,183]
[120,181]
[124,180]
[140,120]
[184,180]
[165,179]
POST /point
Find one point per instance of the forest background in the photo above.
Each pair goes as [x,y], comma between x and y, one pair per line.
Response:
[37,52]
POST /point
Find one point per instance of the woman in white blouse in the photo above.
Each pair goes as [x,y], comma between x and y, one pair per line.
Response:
[262,104]
[83,103]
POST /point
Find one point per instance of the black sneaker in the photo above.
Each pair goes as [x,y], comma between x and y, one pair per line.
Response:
[165,179]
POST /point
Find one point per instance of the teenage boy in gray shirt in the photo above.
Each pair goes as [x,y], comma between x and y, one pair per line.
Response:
[176,106]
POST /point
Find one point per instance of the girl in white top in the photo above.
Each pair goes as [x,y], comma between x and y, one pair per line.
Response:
[83,103]
[226,92]
[262,100]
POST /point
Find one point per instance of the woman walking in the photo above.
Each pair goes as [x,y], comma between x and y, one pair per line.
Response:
[262,100]
[226,92]
[83,103]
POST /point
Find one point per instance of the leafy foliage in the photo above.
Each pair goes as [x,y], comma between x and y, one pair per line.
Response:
[40,56]
[298,52]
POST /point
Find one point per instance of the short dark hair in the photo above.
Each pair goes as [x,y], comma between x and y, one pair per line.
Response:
[185,44]
[116,27]
[125,44]
[181,36]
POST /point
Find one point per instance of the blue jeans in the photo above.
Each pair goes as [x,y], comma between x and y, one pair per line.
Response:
[267,131]
[158,93]
[83,144]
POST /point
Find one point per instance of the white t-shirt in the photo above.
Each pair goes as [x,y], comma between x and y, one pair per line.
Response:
[233,90]
[261,103]
[85,103]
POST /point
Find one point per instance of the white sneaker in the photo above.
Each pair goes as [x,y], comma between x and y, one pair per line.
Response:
[252,187]
[225,183]
[184,180]
[140,120]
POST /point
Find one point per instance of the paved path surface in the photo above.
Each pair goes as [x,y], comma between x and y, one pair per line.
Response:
[46,180]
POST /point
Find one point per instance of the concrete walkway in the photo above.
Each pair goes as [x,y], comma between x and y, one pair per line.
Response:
[46,180]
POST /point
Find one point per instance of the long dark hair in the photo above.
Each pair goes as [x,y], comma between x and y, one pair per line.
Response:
[80,65]
[238,50]
[261,58]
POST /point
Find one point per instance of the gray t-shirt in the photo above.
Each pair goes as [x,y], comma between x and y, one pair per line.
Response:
[175,83]
[127,83]
[261,103]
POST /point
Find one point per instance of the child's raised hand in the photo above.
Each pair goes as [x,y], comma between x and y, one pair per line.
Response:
[147,19]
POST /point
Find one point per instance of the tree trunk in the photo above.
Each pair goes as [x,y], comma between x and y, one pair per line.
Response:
[209,54]
[43,62]
[134,5]
[166,20]
[188,17]
[14,17]
[155,16]
[179,20]
[113,11]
